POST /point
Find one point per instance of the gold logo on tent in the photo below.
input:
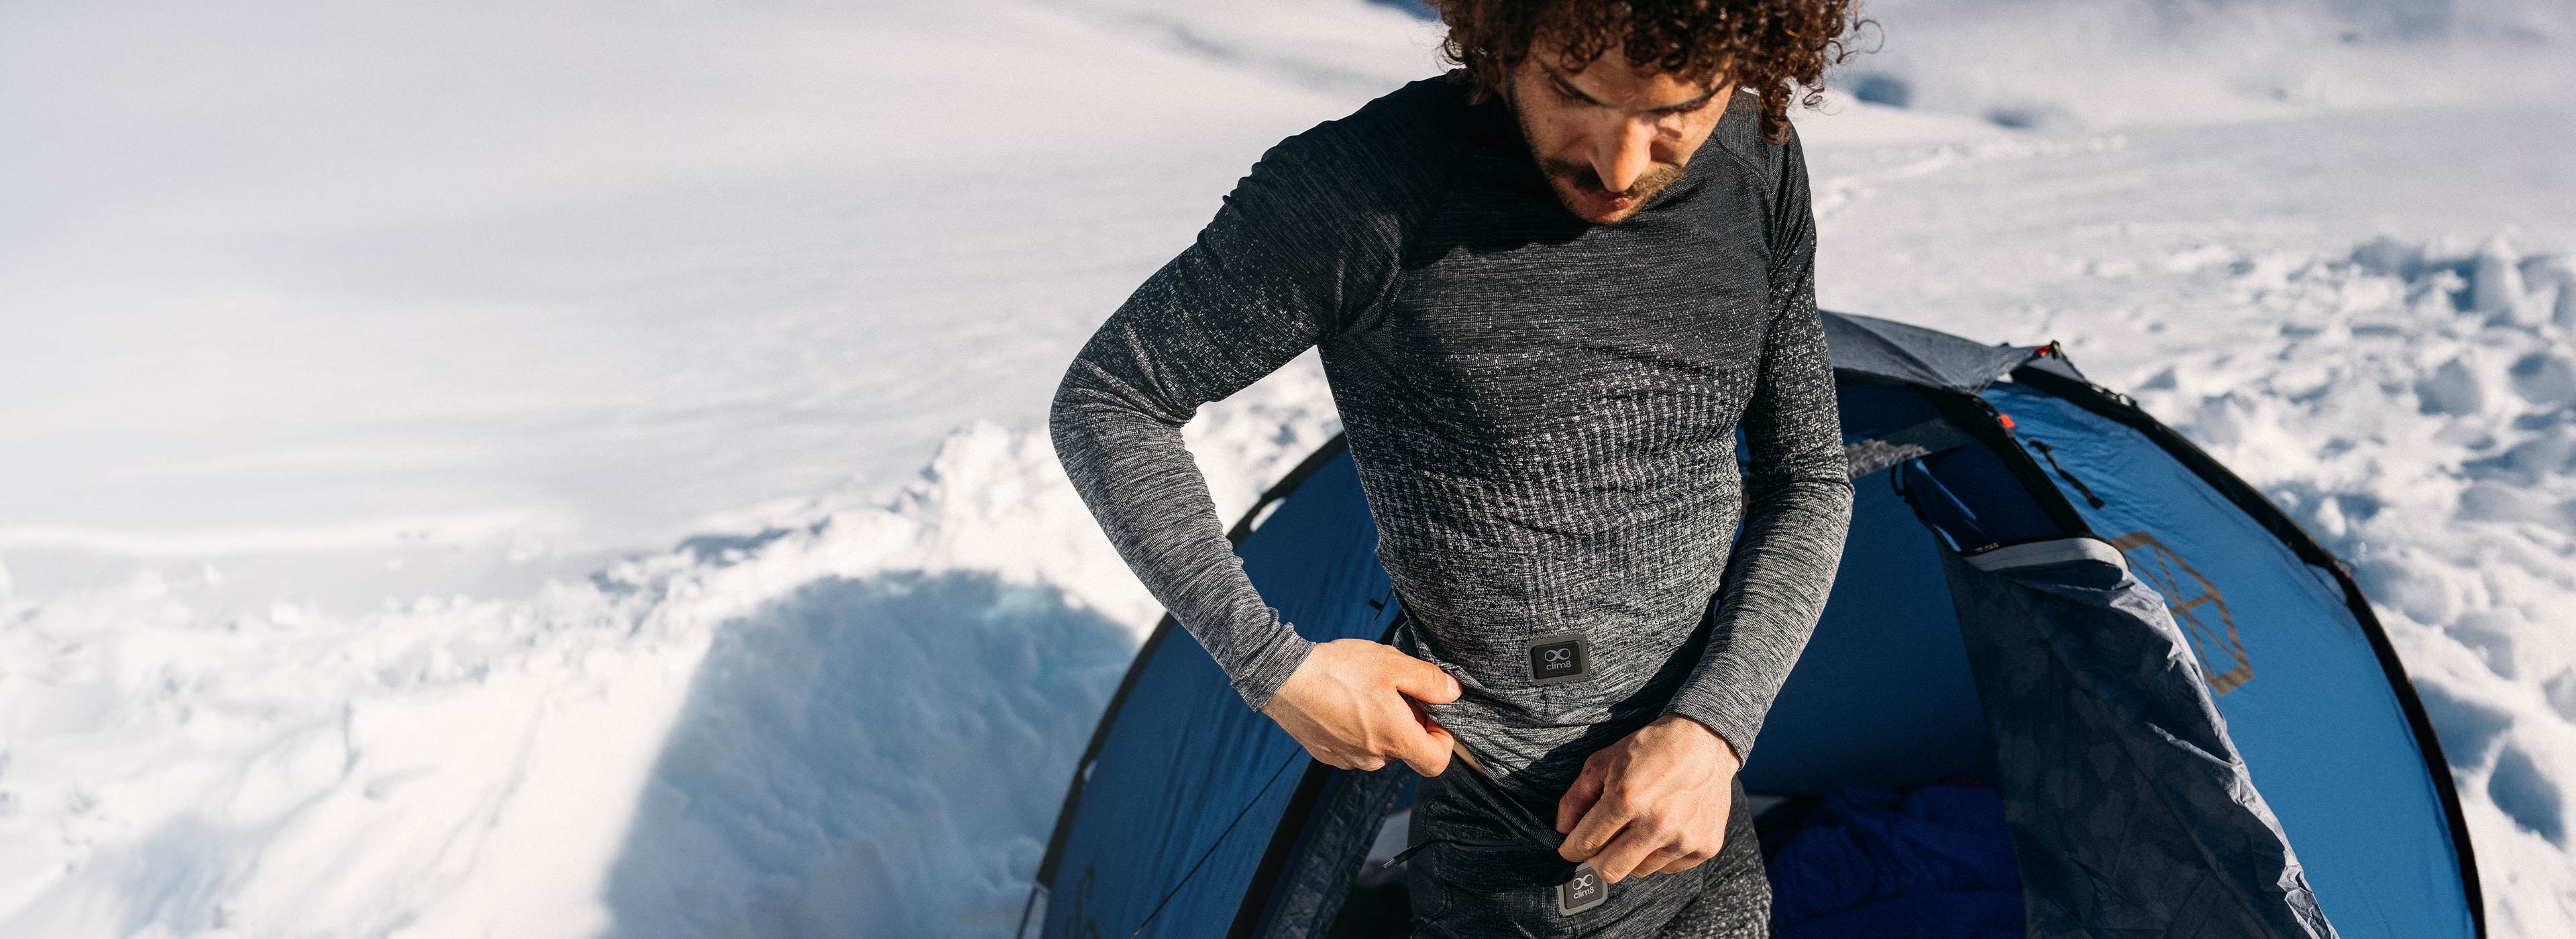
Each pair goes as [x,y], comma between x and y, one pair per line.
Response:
[2193,601]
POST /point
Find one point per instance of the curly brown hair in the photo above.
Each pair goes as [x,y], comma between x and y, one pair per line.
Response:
[1770,43]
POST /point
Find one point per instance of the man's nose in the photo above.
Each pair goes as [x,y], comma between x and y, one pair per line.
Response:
[1626,154]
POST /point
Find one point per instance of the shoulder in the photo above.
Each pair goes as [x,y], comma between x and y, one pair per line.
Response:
[1326,214]
[1775,174]
[1389,159]
[1424,122]
[1739,136]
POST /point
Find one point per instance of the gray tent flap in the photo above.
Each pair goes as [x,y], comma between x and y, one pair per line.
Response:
[1889,349]
[1331,848]
[2131,812]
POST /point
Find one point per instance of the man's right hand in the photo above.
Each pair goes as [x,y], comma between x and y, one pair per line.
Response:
[1346,704]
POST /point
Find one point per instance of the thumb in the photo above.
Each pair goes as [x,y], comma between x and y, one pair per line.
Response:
[1427,682]
[1429,754]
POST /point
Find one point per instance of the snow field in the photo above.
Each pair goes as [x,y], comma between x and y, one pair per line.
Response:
[854,714]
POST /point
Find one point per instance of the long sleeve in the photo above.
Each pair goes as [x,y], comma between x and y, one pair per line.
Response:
[1296,251]
[1798,496]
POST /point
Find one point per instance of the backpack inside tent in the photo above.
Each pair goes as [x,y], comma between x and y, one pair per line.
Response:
[2058,627]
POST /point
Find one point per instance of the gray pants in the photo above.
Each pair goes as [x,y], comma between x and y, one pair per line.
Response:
[1480,864]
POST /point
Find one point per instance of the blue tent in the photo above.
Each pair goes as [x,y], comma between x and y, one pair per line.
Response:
[2194,722]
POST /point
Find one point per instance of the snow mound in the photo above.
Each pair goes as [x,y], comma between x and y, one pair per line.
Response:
[2113,62]
[855,715]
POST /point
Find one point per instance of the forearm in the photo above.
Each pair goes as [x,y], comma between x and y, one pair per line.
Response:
[1142,485]
[1306,239]
[1778,576]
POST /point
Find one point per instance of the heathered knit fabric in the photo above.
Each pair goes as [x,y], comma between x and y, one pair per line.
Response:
[1481,865]
[1542,412]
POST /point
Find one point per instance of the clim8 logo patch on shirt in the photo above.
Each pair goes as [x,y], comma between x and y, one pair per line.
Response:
[1558,657]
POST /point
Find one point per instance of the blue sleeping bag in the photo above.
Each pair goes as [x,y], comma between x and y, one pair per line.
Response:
[1932,862]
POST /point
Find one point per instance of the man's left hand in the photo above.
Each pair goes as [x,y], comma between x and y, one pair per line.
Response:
[1654,803]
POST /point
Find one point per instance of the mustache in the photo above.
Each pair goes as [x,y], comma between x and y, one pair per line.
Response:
[1583,177]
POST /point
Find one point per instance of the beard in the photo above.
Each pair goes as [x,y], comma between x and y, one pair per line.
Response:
[1580,177]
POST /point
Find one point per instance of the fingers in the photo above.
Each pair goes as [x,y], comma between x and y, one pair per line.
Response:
[1602,820]
[1425,681]
[1428,752]
[1686,859]
[1373,735]
[1668,860]
[1361,760]
[1680,855]
[1645,847]
[1429,755]
[1654,863]
[1347,759]
[1578,799]
[1625,855]
[1354,729]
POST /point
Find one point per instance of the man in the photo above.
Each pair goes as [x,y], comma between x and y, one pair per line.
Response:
[1549,287]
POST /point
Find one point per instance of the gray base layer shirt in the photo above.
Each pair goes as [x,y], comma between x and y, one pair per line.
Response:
[1542,412]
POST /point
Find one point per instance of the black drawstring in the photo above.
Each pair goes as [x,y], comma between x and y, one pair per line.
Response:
[2051,455]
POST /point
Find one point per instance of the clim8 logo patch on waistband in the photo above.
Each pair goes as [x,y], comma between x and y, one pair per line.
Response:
[1581,892]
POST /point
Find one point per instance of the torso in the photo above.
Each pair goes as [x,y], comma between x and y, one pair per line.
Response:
[1543,415]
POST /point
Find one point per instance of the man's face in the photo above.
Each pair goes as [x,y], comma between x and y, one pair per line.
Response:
[1610,136]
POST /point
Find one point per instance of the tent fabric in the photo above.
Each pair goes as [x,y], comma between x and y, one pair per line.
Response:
[1867,345]
[1882,694]
[2168,687]
[1869,862]
[1319,874]
[1943,914]
[1194,784]
[1872,454]
[2129,808]
[2306,701]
